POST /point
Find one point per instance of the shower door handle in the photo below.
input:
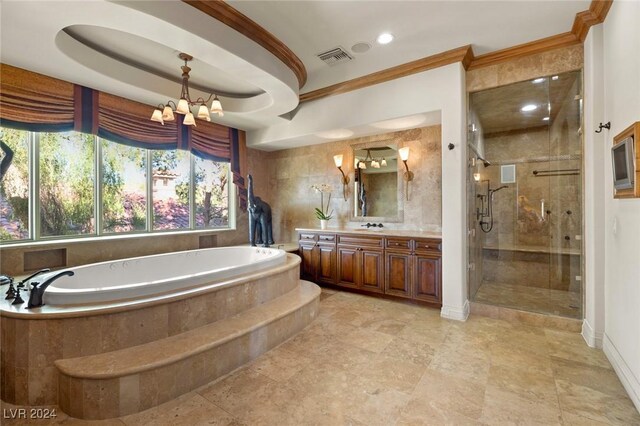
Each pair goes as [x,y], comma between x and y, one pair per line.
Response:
[542,210]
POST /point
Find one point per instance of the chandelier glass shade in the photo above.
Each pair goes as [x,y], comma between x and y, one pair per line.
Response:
[165,112]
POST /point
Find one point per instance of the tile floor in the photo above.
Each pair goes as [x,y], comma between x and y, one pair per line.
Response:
[369,361]
[532,299]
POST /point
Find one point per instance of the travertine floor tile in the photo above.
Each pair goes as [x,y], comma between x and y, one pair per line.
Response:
[280,364]
[446,398]
[503,407]
[601,379]
[370,340]
[188,409]
[590,403]
[370,361]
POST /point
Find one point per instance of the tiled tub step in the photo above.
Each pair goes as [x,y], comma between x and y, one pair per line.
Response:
[130,380]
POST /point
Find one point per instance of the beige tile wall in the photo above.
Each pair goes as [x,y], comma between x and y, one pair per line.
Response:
[291,173]
[546,63]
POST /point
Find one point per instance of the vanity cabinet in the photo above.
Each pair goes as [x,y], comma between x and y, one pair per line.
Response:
[404,267]
[413,268]
[360,263]
[318,254]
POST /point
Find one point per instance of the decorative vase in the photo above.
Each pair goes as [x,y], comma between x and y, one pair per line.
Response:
[323,223]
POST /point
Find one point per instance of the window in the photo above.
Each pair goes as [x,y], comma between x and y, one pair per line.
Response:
[171,171]
[14,185]
[124,188]
[67,184]
[212,193]
[73,184]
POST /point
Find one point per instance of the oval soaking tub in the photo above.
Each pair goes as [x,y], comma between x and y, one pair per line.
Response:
[152,275]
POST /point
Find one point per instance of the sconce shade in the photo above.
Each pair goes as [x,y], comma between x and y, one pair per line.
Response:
[404,153]
[167,114]
[157,116]
[338,160]
[383,163]
[189,120]
[375,164]
[362,165]
[476,177]
[183,106]
[203,113]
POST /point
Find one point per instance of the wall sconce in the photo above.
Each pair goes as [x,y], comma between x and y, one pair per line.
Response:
[476,177]
[345,179]
[408,175]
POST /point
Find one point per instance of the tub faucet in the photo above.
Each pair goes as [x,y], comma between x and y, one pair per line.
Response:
[41,271]
[37,289]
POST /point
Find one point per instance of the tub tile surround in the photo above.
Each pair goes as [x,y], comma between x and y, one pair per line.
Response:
[293,171]
[32,342]
[501,372]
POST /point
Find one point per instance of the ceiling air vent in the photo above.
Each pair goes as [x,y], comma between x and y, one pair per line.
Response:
[335,56]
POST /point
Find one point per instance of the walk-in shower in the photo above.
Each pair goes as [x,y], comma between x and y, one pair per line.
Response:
[525,195]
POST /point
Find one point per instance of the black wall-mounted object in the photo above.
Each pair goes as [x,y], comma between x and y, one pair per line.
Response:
[601,126]
[451,146]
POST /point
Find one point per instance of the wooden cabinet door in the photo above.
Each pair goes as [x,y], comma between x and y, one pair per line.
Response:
[326,263]
[398,274]
[348,266]
[307,265]
[371,270]
[426,279]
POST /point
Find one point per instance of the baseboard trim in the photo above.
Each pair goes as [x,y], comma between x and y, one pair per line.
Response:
[589,335]
[626,376]
[455,313]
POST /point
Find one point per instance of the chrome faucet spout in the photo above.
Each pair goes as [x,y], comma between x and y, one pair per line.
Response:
[38,289]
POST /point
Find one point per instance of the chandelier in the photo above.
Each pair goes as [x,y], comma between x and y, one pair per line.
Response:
[362,164]
[165,112]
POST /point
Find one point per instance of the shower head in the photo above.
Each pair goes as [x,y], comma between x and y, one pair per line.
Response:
[484,162]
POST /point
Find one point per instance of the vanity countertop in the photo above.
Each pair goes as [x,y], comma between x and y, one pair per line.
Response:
[384,232]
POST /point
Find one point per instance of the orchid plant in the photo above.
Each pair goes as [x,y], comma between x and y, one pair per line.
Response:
[323,213]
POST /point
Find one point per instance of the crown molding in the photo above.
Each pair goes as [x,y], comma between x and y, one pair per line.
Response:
[461,54]
[220,10]
[585,20]
[526,49]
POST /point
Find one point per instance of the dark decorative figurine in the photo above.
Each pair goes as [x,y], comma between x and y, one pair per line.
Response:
[260,228]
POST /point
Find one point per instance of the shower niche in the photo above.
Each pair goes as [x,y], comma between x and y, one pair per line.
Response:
[525,195]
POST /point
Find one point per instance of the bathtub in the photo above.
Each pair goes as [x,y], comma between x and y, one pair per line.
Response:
[146,276]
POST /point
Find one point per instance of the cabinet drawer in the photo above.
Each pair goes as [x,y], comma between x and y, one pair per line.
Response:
[356,240]
[326,238]
[428,245]
[307,237]
[398,243]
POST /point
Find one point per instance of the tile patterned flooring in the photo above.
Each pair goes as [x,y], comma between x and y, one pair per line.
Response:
[370,361]
[533,299]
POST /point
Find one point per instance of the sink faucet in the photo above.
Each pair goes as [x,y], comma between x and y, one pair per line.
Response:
[369,225]
[37,289]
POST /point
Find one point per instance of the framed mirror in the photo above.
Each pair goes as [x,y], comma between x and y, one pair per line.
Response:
[376,183]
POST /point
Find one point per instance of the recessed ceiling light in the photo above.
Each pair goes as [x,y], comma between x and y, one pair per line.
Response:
[545,119]
[385,38]
[539,80]
[529,107]
[555,77]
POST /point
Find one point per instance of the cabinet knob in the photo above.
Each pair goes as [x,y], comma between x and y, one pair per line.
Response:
[426,246]
[397,244]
